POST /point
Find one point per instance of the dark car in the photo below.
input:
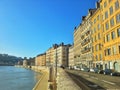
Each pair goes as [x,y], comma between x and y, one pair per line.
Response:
[115,73]
[108,71]
[101,71]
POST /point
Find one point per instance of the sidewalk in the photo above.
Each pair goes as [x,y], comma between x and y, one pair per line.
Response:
[64,82]
[42,83]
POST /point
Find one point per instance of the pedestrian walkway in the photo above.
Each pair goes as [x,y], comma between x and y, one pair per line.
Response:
[64,82]
[42,83]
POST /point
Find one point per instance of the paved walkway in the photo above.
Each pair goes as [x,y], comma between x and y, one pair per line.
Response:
[42,83]
[64,82]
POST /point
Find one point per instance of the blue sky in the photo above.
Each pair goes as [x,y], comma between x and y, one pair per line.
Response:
[30,27]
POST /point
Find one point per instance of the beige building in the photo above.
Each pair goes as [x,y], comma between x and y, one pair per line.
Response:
[71,57]
[83,43]
[40,60]
[61,54]
[49,56]
[25,62]
[77,45]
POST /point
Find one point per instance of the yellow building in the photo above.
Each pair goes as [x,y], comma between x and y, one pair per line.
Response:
[40,60]
[97,38]
[110,12]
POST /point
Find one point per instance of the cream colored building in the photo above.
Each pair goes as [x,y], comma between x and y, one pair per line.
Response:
[71,57]
[77,45]
[25,62]
[49,56]
[40,60]
[82,42]
[61,54]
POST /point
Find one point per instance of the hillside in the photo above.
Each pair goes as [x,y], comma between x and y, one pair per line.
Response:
[6,59]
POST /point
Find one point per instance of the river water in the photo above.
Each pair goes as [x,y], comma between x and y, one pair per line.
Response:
[13,78]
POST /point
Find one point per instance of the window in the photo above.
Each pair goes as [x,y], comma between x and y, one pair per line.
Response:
[119,48]
[111,10]
[94,29]
[98,26]
[100,55]
[116,5]
[118,32]
[105,4]
[113,35]
[105,52]
[98,17]
[94,21]
[107,26]
[106,14]
[117,18]
[114,50]
[101,7]
[96,57]
[108,51]
[92,48]
[95,38]
[99,36]
[108,37]
[112,22]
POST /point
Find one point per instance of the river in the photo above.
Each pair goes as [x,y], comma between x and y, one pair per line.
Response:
[13,78]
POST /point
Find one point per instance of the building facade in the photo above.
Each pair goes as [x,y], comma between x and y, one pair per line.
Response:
[110,11]
[77,46]
[61,54]
[97,38]
[40,60]
[71,57]
[82,42]
[49,56]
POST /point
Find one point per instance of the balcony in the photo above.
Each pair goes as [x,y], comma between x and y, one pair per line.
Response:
[85,50]
[85,41]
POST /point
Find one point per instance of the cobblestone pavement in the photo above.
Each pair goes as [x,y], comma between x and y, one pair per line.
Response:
[64,82]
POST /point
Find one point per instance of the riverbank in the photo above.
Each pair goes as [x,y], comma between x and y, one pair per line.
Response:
[42,83]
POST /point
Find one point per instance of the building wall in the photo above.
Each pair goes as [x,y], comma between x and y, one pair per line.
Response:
[111,23]
[61,55]
[86,42]
[49,56]
[71,57]
[77,45]
[97,39]
[40,60]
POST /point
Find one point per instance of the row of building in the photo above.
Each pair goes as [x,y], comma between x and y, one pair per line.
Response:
[96,41]
[55,55]
[97,38]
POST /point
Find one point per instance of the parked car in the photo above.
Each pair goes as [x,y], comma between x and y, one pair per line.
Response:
[92,70]
[115,73]
[108,71]
[96,70]
[82,69]
[86,69]
[101,71]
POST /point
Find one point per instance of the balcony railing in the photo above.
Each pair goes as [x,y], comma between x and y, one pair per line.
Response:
[85,42]
[85,50]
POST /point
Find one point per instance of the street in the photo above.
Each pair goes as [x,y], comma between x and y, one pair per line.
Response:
[94,81]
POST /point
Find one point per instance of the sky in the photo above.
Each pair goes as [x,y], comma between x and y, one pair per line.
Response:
[30,27]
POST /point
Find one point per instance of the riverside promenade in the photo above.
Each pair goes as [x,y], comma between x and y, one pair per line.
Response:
[42,84]
[64,82]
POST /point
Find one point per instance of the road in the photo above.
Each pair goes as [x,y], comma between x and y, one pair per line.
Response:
[93,81]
